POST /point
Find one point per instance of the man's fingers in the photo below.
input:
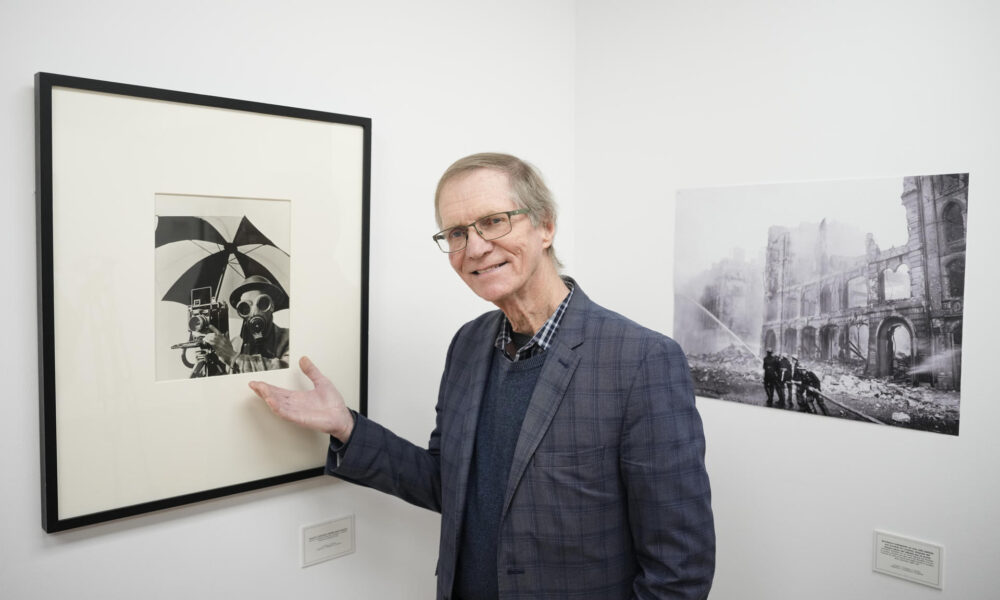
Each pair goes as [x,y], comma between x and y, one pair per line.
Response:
[271,395]
[260,388]
[266,392]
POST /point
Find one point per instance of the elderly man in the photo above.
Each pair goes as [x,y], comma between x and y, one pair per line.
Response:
[263,344]
[567,459]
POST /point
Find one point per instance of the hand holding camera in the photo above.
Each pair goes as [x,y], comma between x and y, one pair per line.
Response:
[218,341]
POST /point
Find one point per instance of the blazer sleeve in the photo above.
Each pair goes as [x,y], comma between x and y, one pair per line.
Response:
[377,458]
[663,465]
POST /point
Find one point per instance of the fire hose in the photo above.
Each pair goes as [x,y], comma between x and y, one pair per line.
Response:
[841,404]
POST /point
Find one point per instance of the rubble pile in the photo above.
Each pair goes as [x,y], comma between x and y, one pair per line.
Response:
[732,359]
[733,373]
[721,371]
[900,403]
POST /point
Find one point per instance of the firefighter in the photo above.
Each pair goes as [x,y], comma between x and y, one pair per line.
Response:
[807,390]
[785,378]
[771,379]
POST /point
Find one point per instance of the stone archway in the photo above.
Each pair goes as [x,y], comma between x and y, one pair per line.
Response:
[828,342]
[790,341]
[895,348]
[857,342]
[808,347]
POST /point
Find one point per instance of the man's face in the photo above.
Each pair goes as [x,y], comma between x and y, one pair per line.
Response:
[502,269]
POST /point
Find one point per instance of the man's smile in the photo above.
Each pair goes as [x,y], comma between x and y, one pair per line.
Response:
[492,269]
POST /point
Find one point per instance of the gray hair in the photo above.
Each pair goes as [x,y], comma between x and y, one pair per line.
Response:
[526,183]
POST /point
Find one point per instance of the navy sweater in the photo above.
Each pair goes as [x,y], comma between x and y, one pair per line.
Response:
[500,415]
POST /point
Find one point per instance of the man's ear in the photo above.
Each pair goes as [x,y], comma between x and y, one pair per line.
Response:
[548,233]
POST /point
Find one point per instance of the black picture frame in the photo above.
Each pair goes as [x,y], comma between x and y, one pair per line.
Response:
[103,149]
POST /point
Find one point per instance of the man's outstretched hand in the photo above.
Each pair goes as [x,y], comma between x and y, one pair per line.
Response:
[321,408]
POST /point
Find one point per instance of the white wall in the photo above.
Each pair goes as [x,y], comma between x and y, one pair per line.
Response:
[621,104]
[672,95]
[440,79]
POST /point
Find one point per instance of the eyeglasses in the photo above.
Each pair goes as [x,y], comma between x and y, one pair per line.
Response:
[489,228]
[263,303]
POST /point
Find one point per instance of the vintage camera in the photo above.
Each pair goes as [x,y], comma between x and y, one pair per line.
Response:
[204,312]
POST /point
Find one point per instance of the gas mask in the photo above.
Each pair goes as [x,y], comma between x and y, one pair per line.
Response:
[257,310]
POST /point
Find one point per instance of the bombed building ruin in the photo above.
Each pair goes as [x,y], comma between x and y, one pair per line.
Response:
[725,305]
[896,312]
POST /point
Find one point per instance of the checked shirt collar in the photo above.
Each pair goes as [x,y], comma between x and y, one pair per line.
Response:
[542,339]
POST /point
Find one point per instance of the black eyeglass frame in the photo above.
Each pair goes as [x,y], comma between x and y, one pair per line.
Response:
[441,237]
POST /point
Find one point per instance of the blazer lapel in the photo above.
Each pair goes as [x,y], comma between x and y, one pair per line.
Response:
[553,381]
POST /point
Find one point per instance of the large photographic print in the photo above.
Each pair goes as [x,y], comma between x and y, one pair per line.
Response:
[187,245]
[840,299]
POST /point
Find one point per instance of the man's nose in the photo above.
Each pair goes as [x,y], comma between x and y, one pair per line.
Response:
[475,245]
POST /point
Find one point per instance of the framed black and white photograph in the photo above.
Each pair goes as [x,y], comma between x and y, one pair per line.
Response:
[834,298]
[189,244]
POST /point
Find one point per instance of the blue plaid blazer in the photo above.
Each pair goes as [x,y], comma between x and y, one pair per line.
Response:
[608,497]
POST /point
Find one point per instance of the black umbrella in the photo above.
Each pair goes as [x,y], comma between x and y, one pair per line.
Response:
[196,244]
